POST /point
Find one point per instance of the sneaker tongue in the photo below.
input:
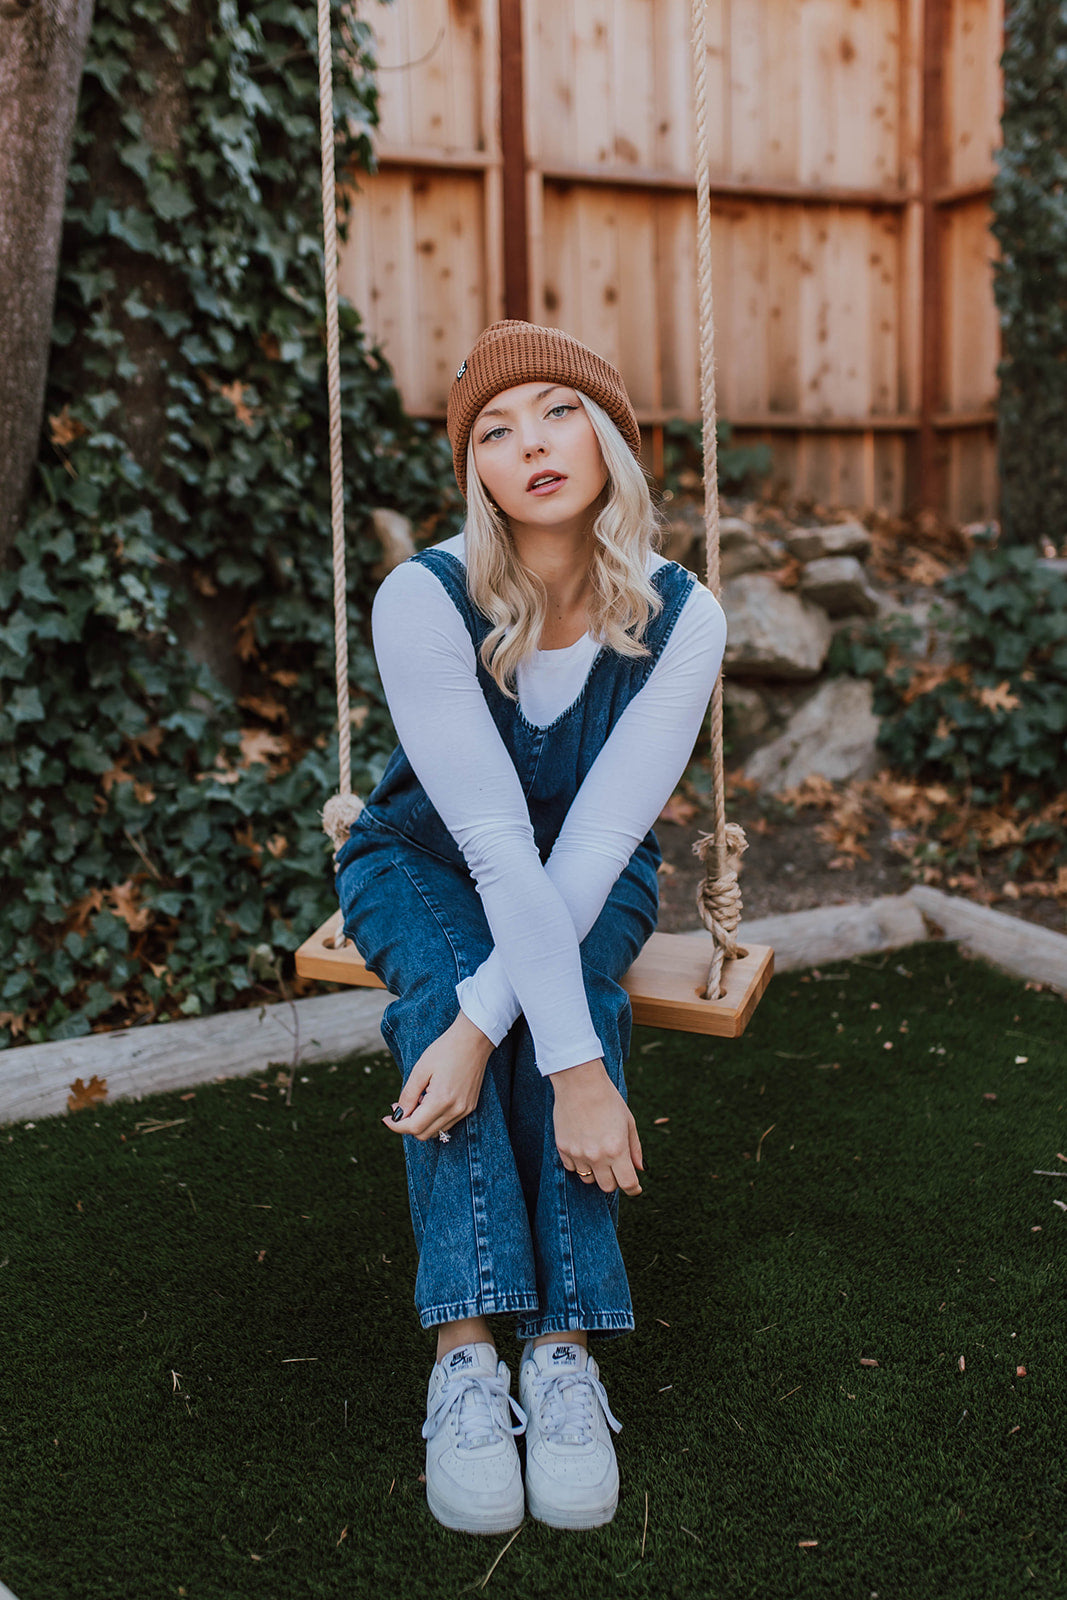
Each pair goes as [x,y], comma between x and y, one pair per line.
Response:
[468,1358]
[560,1358]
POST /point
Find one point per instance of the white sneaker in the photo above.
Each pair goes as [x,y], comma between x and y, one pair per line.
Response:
[572,1479]
[473,1477]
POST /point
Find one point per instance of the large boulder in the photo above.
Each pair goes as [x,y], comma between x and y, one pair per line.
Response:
[838,584]
[833,734]
[772,633]
[842,539]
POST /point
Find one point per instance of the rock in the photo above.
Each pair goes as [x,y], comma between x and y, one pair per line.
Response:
[393,532]
[832,734]
[839,585]
[683,536]
[772,633]
[747,711]
[741,549]
[843,539]
[933,620]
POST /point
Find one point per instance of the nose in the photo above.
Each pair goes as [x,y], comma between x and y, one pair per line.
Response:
[534,447]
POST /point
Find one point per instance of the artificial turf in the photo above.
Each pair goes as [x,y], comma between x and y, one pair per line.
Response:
[847,1379]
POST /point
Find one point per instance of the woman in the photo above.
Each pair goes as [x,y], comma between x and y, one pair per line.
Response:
[548,675]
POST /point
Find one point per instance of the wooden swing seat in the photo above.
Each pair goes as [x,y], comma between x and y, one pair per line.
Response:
[664,983]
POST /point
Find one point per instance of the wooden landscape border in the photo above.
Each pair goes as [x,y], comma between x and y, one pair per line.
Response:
[35,1080]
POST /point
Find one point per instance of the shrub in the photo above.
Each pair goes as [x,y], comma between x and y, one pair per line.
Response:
[159,819]
[992,715]
[1030,223]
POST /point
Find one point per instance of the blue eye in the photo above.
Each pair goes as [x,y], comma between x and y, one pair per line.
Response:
[492,432]
[561,408]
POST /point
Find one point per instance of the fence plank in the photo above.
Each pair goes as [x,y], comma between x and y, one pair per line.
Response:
[818,300]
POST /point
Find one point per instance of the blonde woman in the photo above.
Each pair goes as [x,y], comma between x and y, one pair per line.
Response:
[547,674]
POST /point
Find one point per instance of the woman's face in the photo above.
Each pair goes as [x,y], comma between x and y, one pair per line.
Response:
[537,455]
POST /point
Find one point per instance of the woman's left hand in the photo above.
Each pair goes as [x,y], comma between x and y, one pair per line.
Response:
[445,1082]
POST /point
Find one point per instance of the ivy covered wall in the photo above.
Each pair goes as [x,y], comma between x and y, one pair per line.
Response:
[166,673]
[1030,222]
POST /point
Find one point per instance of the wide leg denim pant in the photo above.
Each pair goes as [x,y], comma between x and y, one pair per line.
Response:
[500,1224]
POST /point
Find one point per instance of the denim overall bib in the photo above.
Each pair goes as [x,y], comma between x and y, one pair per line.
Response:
[500,1224]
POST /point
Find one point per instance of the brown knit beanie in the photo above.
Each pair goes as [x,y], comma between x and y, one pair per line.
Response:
[509,353]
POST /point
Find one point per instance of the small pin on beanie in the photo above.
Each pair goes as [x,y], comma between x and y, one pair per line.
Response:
[509,353]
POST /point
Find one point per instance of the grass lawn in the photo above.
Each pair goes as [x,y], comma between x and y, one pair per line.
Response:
[848,1378]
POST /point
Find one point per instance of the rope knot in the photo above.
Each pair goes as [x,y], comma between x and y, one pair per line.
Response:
[718,900]
[338,815]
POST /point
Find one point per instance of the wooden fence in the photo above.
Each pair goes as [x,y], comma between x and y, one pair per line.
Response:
[535,160]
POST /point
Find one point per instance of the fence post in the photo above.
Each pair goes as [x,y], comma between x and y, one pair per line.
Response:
[931,485]
[513,152]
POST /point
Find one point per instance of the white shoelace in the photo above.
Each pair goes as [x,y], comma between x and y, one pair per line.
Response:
[473,1395]
[566,1406]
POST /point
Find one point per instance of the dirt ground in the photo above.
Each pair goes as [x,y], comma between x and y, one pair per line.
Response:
[787,867]
[817,854]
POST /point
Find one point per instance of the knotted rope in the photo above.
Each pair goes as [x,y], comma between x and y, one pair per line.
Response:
[342,809]
[718,898]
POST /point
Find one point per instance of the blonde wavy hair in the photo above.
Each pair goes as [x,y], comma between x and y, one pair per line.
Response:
[625,531]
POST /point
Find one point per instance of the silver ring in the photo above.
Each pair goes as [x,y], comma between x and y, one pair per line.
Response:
[444,1137]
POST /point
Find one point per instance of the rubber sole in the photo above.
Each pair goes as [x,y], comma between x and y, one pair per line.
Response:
[572,1520]
[501,1522]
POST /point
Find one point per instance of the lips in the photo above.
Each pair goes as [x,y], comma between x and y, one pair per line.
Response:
[544,480]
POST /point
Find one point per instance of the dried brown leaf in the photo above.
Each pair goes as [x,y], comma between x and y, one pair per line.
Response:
[83,1096]
[64,429]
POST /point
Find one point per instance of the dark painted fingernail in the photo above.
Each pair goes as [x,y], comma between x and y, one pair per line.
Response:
[398,1114]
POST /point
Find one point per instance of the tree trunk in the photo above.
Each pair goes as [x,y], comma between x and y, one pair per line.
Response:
[42,49]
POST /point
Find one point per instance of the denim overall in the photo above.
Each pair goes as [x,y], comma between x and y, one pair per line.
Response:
[500,1224]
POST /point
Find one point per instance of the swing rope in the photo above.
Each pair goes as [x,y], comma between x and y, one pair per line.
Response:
[719,895]
[342,809]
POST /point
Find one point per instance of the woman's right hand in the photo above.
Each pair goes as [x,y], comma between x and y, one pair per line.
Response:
[596,1135]
[445,1082]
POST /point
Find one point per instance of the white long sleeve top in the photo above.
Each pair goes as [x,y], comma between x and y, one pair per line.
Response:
[537,913]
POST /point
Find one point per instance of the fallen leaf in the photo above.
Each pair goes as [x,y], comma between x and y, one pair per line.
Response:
[115,774]
[1020,1372]
[807,1544]
[83,1096]
[868,1361]
[245,629]
[245,837]
[264,705]
[15,1021]
[998,699]
[678,810]
[148,742]
[962,1364]
[259,745]
[123,898]
[64,429]
[277,845]
[234,393]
